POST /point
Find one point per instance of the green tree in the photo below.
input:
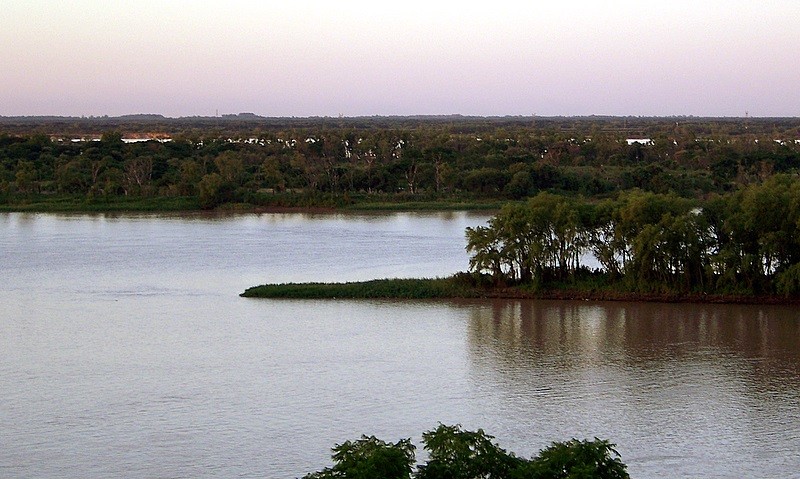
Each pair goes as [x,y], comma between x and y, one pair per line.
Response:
[487,250]
[458,454]
[559,232]
[74,176]
[530,242]
[454,453]
[369,458]
[788,281]
[189,176]
[575,459]
[27,177]
[271,174]
[759,234]
[520,184]
[211,190]
[485,181]
[604,241]
[230,167]
[111,138]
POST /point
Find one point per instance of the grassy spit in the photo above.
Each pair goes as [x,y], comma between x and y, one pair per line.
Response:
[464,285]
[80,204]
[380,288]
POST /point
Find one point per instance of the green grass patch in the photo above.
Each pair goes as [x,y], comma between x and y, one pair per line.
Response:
[58,203]
[380,288]
[66,203]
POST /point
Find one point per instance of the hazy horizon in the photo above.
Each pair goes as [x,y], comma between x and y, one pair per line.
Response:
[568,58]
[411,115]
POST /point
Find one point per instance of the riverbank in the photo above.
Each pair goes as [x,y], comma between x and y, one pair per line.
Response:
[276,203]
[81,204]
[457,287]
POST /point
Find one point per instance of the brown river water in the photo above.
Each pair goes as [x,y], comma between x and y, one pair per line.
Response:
[126,352]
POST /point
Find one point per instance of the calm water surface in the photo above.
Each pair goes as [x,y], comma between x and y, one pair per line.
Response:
[126,352]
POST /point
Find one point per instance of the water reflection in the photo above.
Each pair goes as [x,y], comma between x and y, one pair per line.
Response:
[638,332]
[695,382]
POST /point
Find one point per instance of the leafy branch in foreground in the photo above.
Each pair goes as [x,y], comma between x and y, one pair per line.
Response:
[454,453]
[369,457]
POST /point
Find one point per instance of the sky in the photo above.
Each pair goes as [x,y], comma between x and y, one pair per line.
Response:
[354,58]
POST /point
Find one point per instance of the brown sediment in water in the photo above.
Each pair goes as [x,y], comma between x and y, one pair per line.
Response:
[515,293]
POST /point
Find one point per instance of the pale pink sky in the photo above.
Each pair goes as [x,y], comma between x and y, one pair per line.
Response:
[182,58]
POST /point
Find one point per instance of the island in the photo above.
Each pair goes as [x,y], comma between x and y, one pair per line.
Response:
[743,246]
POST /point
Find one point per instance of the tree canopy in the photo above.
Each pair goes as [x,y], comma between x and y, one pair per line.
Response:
[746,241]
[263,161]
[455,453]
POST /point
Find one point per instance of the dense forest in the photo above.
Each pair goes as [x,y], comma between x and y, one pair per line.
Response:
[249,160]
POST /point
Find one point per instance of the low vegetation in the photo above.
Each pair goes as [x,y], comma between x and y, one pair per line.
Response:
[453,287]
[73,203]
[454,453]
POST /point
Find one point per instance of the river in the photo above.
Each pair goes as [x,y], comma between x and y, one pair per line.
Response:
[126,352]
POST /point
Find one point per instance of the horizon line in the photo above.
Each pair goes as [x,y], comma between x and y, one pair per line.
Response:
[253,116]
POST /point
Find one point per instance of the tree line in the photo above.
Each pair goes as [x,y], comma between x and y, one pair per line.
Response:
[742,242]
[424,159]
